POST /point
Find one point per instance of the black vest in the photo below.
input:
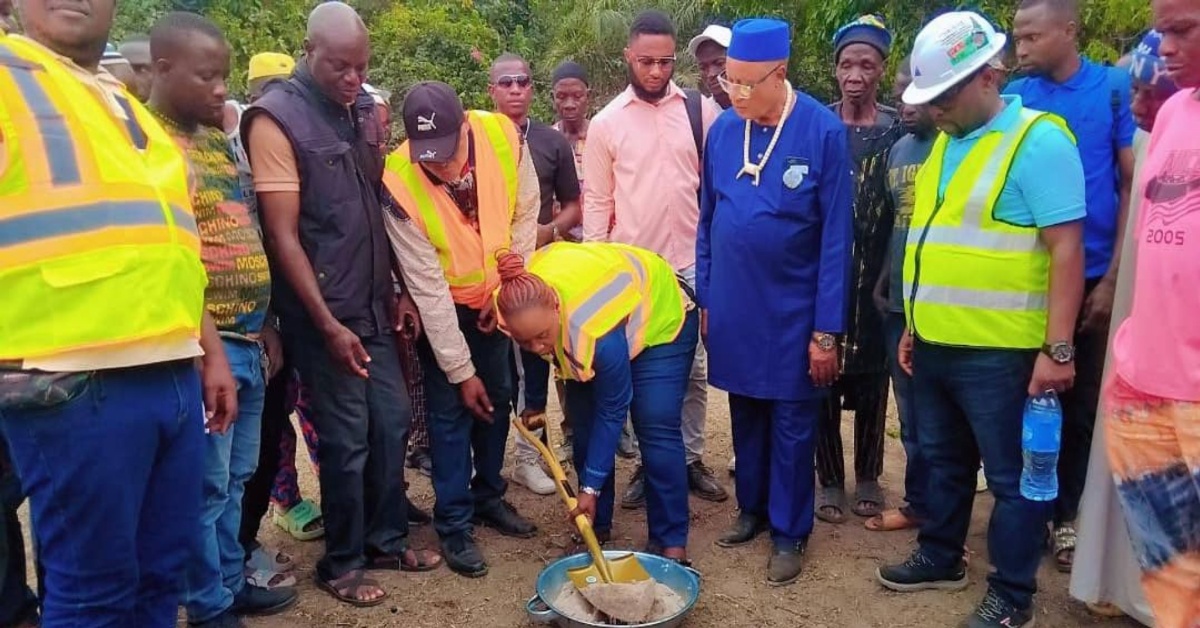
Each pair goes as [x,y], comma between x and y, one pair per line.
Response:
[338,154]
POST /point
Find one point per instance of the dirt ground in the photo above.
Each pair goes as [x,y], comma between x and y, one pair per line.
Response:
[837,589]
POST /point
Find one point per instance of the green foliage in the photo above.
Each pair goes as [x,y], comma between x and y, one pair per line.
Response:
[455,40]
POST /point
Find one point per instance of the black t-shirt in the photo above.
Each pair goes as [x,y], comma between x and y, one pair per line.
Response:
[555,164]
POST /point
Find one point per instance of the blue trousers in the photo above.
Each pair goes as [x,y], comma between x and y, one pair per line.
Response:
[775,444]
[916,469]
[457,439]
[659,381]
[113,477]
[971,403]
[215,574]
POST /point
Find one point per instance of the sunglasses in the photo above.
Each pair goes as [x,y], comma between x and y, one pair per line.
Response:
[742,91]
[521,80]
[648,63]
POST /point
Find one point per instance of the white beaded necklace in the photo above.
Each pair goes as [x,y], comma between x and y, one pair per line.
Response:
[753,169]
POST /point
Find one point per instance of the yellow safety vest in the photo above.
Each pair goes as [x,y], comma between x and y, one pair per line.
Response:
[98,243]
[600,286]
[969,279]
[466,250]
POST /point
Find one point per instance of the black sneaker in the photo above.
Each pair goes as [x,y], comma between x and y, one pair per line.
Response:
[634,496]
[463,557]
[744,530]
[703,483]
[996,612]
[252,600]
[504,519]
[224,620]
[918,573]
[419,459]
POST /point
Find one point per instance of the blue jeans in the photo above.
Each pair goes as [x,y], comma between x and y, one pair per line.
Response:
[215,573]
[660,381]
[113,477]
[971,403]
[775,443]
[916,471]
[457,439]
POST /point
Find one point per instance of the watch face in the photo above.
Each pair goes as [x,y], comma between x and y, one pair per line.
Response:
[826,342]
[1062,352]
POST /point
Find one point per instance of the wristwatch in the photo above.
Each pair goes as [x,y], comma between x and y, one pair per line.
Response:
[825,342]
[1060,352]
[590,491]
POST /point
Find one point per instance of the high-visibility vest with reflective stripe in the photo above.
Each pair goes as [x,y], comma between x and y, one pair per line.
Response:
[467,254]
[98,243]
[969,279]
[600,286]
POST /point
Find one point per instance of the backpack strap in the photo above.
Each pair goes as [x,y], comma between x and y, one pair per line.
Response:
[695,114]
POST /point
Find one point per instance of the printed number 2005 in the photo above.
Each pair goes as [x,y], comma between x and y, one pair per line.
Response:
[1165,236]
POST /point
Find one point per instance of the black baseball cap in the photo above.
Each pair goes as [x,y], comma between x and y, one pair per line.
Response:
[433,117]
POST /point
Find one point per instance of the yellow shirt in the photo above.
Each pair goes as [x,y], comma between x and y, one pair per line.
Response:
[105,86]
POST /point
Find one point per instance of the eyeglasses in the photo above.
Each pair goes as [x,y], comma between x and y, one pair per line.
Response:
[947,97]
[648,63]
[742,91]
[506,81]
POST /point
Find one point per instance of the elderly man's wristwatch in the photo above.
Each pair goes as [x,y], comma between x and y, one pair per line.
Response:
[1060,352]
[825,342]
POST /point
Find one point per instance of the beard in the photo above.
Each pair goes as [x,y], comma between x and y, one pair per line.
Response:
[644,94]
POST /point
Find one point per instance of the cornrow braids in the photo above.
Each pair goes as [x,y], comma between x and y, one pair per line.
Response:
[520,288]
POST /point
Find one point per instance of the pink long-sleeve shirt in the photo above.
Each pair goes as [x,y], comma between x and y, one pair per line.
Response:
[642,169]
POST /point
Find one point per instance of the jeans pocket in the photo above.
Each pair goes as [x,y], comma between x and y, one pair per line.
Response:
[25,391]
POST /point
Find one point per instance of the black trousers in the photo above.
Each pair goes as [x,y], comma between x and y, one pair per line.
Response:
[363,425]
[1079,418]
[866,395]
[277,408]
[17,601]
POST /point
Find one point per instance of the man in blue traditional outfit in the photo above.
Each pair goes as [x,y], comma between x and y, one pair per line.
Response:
[773,255]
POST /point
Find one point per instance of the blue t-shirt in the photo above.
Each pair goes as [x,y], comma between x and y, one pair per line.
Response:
[1045,185]
[1095,104]
[904,161]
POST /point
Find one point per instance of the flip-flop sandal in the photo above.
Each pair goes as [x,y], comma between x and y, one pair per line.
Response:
[425,561]
[351,582]
[299,517]
[868,493]
[1064,548]
[831,498]
[266,579]
[891,520]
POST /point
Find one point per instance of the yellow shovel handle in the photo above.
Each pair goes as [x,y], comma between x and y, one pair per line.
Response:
[567,494]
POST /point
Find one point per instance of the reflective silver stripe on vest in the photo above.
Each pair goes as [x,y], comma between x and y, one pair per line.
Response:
[595,303]
[84,218]
[56,137]
[985,299]
[982,239]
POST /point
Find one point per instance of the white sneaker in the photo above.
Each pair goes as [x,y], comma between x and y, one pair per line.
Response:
[529,474]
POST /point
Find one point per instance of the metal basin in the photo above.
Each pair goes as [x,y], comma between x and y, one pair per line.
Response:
[683,580]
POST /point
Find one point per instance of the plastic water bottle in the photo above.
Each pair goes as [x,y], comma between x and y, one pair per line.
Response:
[1041,438]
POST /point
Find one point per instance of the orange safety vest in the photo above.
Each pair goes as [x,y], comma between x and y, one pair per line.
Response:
[467,253]
[98,242]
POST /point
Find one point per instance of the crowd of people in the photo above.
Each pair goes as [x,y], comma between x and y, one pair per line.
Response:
[184,272]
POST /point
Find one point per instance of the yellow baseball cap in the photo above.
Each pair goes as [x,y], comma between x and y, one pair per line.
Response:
[269,64]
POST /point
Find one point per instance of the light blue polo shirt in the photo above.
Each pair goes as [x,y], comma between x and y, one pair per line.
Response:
[1045,185]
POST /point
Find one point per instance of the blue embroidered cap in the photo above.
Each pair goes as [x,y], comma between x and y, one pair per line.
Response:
[760,39]
[867,29]
[1145,66]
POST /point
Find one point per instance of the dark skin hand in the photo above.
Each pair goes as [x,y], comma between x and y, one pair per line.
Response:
[475,397]
[280,213]
[822,365]
[904,354]
[487,318]
[586,506]
[273,346]
[406,320]
[220,390]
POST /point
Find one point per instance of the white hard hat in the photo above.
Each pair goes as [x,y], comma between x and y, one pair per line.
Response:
[949,49]
[719,35]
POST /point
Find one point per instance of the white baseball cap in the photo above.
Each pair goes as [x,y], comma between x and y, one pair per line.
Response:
[719,35]
[949,49]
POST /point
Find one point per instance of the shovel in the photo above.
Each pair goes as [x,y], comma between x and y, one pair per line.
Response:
[625,569]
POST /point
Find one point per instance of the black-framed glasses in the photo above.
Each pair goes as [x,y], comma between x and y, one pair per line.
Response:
[947,97]
[507,81]
[742,90]
[648,63]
